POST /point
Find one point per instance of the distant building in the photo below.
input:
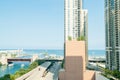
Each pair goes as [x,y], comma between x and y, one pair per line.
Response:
[76,22]
[112,26]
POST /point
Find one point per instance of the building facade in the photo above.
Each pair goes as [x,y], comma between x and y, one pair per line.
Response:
[76,22]
[75,43]
[75,64]
[112,26]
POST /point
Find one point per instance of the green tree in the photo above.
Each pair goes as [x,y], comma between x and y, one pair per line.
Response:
[69,38]
[81,38]
[6,77]
[0,64]
[116,73]
[62,65]
[12,77]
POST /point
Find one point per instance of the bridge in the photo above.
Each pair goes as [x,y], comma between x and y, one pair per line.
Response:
[51,60]
[31,60]
[17,59]
[34,57]
[97,60]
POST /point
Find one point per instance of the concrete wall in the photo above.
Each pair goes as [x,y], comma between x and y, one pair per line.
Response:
[75,49]
[75,68]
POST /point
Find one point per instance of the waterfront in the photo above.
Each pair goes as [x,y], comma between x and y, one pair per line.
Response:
[95,53]
[12,69]
[42,53]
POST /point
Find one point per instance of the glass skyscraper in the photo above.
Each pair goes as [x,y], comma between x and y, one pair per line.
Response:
[112,26]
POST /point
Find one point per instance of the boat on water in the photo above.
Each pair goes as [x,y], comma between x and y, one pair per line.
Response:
[10,64]
[22,65]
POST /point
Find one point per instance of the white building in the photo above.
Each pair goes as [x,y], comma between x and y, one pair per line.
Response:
[112,25]
[76,20]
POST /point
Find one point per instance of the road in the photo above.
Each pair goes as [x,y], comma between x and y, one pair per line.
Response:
[53,72]
[39,72]
[35,74]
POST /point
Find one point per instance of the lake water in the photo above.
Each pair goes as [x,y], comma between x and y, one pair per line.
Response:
[17,65]
[12,69]
[91,53]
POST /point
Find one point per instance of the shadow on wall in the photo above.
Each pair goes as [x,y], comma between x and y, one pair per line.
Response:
[74,70]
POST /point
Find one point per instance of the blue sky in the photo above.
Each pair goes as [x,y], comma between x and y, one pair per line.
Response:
[40,24]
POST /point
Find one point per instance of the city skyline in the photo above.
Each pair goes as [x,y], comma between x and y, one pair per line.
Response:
[30,17]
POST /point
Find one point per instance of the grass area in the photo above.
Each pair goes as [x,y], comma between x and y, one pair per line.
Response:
[22,71]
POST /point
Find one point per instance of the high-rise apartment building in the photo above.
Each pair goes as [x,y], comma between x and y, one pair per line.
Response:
[112,25]
[76,22]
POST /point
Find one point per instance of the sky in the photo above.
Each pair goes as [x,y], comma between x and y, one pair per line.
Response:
[39,24]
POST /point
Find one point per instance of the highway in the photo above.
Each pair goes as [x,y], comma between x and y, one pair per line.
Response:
[49,74]
[53,72]
[39,72]
[36,73]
